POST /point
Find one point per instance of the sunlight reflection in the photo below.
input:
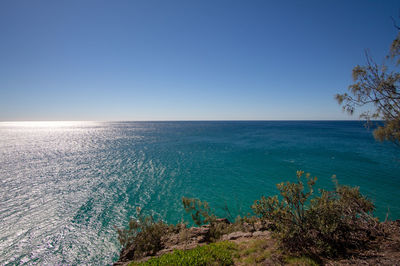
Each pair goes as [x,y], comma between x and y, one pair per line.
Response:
[47,124]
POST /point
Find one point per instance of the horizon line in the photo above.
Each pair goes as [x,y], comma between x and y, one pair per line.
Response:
[186,120]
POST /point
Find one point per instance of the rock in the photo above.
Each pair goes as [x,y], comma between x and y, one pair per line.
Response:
[199,230]
[236,235]
[261,234]
[223,220]
[127,253]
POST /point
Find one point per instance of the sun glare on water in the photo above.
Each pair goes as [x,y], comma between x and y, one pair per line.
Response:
[45,124]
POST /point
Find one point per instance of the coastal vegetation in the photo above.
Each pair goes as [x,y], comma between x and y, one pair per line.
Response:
[220,253]
[376,93]
[144,234]
[251,252]
[327,224]
[300,226]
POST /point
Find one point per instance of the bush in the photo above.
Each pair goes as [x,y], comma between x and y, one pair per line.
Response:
[328,224]
[220,253]
[202,214]
[144,235]
[200,211]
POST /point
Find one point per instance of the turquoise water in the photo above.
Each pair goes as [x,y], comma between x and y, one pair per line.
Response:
[65,185]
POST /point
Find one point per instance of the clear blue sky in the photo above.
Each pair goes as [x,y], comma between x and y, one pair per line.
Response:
[184,60]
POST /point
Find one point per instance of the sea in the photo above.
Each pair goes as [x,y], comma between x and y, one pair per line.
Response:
[67,186]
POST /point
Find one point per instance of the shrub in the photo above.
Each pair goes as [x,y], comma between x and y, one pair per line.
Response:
[200,211]
[328,224]
[144,235]
[220,253]
[202,214]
